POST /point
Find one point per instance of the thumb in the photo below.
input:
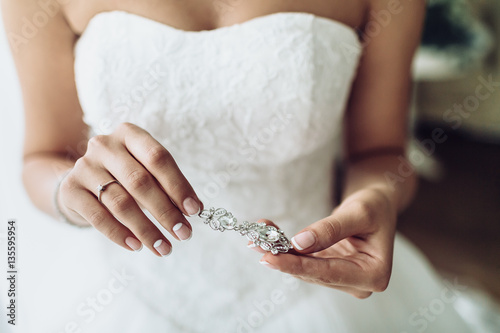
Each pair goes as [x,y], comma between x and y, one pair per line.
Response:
[325,232]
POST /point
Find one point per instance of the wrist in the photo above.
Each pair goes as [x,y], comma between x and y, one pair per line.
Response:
[374,200]
[382,173]
[398,198]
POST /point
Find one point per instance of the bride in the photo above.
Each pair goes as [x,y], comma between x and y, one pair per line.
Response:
[139,115]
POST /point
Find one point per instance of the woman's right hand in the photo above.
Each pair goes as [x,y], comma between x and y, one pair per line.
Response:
[148,176]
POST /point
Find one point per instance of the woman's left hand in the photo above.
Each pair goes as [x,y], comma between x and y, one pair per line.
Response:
[350,250]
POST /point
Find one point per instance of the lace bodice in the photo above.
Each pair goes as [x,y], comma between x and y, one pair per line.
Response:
[255,107]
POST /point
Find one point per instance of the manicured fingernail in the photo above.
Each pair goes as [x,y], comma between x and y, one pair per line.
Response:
[191,206]
[182,231]
[162,248]
[133,243]
[265,263]
[251,245]
[303,240]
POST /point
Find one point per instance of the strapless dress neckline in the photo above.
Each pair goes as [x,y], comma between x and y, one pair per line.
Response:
[253,21]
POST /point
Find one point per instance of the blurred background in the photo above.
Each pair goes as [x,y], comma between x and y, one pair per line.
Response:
[455,218]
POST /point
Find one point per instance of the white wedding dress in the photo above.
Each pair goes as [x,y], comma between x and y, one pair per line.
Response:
[252,114]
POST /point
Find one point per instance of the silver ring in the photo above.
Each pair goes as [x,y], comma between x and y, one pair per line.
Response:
[102,187]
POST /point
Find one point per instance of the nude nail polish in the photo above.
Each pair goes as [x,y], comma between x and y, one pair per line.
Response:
[162,248]
[182,231]
[133,243]
[191,206]
[303,240]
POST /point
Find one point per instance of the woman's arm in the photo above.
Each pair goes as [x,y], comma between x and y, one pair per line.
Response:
[377,115]
[55,135]
[56,141]
[351,250]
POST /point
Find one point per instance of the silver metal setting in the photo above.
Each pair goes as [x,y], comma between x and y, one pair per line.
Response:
[102,187]
[267,237]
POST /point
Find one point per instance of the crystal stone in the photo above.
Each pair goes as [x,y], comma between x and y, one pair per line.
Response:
[227,222]
[272,235]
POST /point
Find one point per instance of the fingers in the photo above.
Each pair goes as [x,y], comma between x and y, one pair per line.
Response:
[99,217]
[358,293]
[144,188]
[351,218]
[121,206]
[148,179]
[339,272]
[351,250]
[368,274]
[160,163]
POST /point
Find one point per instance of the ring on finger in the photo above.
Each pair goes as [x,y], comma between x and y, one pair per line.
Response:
[102,187]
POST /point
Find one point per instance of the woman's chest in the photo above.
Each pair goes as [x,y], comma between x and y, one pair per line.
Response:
[197,15]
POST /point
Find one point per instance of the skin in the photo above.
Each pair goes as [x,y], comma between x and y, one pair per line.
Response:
[352,248]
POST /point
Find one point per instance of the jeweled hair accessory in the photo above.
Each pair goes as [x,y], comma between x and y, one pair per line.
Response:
[267,237]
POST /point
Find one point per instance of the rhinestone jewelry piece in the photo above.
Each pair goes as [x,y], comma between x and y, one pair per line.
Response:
[267,237]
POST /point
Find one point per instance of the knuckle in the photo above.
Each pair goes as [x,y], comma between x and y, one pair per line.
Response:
[67,190]
[168,213]
[114,233]
[380,280]
[297,268]
[380,285]
[176,187]
[139,179]
[362,294]
[125,127]
[69,184]
[157,156]
[309,268]
[332,228]
[364,212]
[326,280]
[147,233]
[97,219]
[97,141]
[80,163]
[121,203]
[332,278]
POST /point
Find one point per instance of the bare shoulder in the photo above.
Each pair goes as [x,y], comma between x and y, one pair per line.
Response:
[393,29]
[31,22]
[42,44]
